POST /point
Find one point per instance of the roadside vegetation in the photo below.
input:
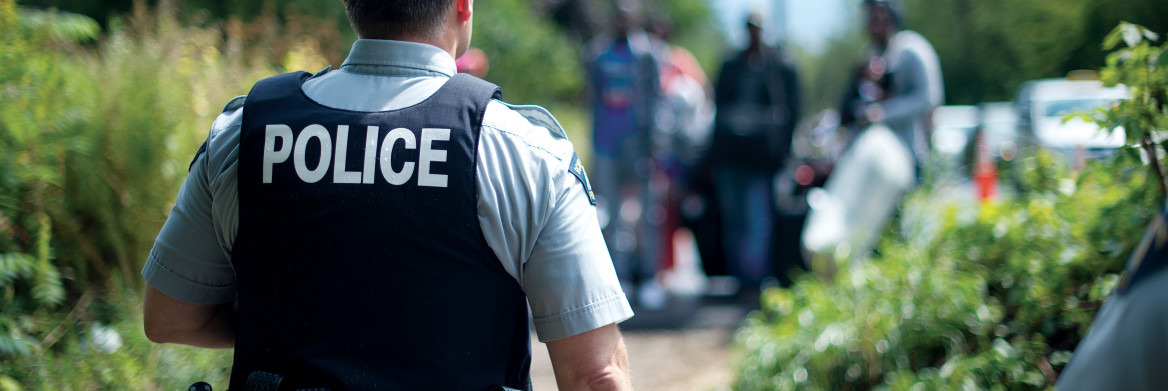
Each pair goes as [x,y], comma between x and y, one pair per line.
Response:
[95,135]
[990,296]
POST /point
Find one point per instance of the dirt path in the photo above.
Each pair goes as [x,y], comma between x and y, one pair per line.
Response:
[684,347]
[673,360]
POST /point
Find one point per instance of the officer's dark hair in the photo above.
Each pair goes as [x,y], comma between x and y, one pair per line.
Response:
[388,19]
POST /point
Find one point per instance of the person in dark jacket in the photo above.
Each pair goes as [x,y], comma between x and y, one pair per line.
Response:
[757,99]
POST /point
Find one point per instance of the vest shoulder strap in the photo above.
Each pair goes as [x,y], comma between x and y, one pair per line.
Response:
[274,87]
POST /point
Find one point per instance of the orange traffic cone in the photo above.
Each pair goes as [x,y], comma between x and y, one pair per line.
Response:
[985,173]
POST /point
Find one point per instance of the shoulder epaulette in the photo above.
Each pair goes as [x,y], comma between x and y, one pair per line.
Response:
[539,116]
[234,104]
[326,69]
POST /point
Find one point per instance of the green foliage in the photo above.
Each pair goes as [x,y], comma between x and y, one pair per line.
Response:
[1143,68]
[31,128]
[530,59]
[988,48]
[81,363]
[59,26]
[825,75]
[998,300]
[994,297]
[94,142]
[694,28]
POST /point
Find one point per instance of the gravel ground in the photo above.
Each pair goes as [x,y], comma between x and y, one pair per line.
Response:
[673,360]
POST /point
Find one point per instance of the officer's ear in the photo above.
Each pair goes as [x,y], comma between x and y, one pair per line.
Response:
[465,9]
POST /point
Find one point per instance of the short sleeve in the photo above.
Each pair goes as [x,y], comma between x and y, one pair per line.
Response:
[190,258]
[569,278]
[537,218]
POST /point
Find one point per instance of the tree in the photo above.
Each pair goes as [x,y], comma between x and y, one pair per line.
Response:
[989,47]
[1143,68]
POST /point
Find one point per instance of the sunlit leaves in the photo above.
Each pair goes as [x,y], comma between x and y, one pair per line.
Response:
[1131,35]
[1143,68]
[57,25]
[996,299]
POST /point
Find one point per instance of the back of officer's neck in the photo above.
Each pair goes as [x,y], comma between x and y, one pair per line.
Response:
[447,42]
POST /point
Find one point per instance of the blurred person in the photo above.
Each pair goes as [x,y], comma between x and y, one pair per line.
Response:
[887,111]
[1127,338]
[404,257]
[473,62]
[685,109]
[757,98]
[624,86]
[914,86]
[870,84]
[681,130]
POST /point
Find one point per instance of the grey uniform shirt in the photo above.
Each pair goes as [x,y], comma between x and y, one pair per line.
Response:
[533,211]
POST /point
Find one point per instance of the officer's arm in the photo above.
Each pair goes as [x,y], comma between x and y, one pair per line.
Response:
[593,360]
[169,320]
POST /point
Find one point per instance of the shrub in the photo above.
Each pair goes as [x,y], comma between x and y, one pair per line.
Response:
[995,296]
[95,137]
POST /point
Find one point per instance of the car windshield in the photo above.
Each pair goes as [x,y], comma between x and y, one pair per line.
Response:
[1063,108]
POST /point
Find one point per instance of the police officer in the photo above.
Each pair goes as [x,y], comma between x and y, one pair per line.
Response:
[384,226]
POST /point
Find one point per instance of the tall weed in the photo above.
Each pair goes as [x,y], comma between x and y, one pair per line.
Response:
[96,133]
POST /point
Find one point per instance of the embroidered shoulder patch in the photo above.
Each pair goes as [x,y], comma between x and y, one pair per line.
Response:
[577,170]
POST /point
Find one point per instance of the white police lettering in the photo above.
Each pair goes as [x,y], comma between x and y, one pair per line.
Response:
[271,155]
[340,175]
[326,153]
[429,154]
[370,154]
[391,176]
[280,143]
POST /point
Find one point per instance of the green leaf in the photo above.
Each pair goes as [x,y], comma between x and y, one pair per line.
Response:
[11,346]
[48,289]
[59,25]
[12,341]
[1132,34]
[14,266]
[8,384]
[1085,117]
[1149,34]
[1114,37]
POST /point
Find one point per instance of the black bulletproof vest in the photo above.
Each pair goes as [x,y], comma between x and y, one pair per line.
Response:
[359,258]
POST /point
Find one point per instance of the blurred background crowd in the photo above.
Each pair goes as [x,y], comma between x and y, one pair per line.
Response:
[927,183]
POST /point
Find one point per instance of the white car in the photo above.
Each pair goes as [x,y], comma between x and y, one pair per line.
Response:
[953,127]
[1044,106]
